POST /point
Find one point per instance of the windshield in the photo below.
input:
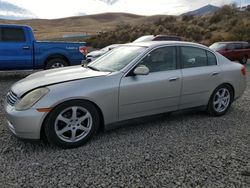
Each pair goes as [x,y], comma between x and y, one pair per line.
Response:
[145,38]
[116,59]
[218,46]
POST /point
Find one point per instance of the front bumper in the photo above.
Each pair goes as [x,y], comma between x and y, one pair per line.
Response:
[24,124]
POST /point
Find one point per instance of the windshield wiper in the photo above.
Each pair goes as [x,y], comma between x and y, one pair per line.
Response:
[93,68]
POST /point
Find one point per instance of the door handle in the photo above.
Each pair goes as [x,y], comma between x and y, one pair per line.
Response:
[26,47]
[215,73]
[173,79]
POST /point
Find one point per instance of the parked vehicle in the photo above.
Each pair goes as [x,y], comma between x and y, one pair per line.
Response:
[148,38]
[98,53]
[20,51]
[235,51]
[70,104]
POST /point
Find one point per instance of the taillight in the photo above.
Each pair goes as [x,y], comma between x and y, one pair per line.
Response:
[243,70]
[83,50]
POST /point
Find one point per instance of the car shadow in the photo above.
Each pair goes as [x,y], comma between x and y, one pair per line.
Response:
[130,127]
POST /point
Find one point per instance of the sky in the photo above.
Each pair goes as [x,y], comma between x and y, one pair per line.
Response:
[51,9]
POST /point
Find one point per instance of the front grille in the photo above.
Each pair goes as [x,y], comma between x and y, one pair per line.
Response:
[12,98]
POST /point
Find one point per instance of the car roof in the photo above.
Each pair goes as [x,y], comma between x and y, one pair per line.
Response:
[161,43]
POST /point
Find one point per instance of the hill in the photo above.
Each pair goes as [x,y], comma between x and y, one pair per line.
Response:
[228,23]
[92,24]
[208,9]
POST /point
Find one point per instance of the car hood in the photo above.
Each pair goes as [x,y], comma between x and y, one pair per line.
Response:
[55,76]
[96,53]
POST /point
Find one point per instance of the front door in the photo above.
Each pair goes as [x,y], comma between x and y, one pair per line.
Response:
[157,92]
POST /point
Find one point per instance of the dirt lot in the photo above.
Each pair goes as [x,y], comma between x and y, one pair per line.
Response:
[185,149]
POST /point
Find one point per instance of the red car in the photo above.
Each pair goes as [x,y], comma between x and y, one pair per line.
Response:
[235,51]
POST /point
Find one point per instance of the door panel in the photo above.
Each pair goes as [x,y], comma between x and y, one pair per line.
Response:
[198,83]
[16,52]
[150,94]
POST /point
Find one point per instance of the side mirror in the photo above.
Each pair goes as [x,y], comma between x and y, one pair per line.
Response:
[141,70]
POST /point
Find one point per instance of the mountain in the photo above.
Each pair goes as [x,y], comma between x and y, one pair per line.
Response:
[13,12]
[208,9]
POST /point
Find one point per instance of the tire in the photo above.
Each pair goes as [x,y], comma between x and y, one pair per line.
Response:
[72,124]
[244,60]
[219,104]
[56,63]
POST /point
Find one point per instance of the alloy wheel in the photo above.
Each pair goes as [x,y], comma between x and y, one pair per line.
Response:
[221,100]
[73,124]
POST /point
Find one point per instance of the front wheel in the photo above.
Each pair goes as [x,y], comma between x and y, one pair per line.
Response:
[220,101]
[72,124]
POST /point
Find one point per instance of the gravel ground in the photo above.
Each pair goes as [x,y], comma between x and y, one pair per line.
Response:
[185,149]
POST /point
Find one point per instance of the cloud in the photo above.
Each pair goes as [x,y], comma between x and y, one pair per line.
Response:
[11,11]
[109,2]
[65,8]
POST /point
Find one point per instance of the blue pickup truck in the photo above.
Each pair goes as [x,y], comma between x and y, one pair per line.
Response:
[20,51]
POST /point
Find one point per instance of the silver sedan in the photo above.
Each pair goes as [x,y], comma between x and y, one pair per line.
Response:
[69,105]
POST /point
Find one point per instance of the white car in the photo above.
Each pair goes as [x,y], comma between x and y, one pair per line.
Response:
[98,53]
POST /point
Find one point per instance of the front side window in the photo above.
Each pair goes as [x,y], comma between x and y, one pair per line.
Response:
[193,57]
[12,34]
[161,59]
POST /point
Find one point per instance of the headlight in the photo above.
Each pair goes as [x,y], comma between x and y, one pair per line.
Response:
[31,98]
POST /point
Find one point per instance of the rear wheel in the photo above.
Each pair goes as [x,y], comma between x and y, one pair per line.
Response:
[220,101]
[72,124]
[56,63]
[244,60]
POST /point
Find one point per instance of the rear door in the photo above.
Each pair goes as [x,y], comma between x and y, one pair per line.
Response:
[15,49]
[201,75]
[157,92]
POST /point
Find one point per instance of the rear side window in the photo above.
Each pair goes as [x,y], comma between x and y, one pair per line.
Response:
[196,57]
[211,59]
[193,57]
[246,45]
[12,34]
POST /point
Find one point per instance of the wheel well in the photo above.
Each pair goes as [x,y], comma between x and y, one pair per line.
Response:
[54,56]
[101,128]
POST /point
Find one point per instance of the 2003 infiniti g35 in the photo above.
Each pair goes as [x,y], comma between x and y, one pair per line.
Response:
[70,104]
